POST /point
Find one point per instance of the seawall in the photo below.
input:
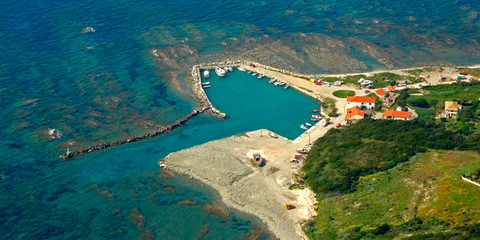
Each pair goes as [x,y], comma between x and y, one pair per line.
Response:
[166,129]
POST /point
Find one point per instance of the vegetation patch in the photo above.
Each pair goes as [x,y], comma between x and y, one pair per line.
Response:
[343,93]
[424,198]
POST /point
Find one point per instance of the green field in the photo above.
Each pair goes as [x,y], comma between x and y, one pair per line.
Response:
[343,93]
[455,92]
[428,187]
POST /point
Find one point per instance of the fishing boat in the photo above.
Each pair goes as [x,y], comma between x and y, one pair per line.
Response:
[241,69]
[271,81]
[316,116]
[302,150]
[315,119]
[273,135]
[253,74]
[281,84]
[206,86]
[249,72]
[220,72]
[276,83]
[315,111]
[303,127]
[261,76]
[228,69]
[308,124]
[205,83]
[206,74]
[257,159]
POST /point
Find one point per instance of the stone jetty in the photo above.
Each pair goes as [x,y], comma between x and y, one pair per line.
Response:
[162,130]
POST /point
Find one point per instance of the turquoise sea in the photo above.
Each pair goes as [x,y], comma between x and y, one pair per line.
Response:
[104,85]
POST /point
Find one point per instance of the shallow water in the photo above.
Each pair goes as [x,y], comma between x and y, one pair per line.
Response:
[106,85]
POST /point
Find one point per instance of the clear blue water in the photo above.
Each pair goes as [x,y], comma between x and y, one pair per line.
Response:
[50,79]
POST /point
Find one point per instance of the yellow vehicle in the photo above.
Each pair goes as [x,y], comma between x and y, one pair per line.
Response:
[289,206]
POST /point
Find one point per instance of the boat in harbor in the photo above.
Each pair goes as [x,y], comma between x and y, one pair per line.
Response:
[315,111]
[261,76]
[271,81]
[308,124]
[303,127]
[286,86]
[228,69]
[315,119]
[220,72]
[276,83]
[316,116]
[206,74]
[206,86]
[241,69]
[281,83]
[253,74]
[205,83]
[257,159]
[249,72]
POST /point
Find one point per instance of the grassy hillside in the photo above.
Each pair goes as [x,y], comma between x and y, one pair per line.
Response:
[340,157]
[424,198]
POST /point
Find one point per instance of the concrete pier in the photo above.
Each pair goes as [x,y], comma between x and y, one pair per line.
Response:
[162,130]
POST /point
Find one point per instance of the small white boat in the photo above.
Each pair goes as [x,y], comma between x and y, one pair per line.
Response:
[241,69]
[206,86]
[206,74]
[281,84]
[276,83]
[253,74]
[271,81]
[229,69]
[205,83]
[220,72]
[303,127]
[286,87]
[308,124]
[260,76]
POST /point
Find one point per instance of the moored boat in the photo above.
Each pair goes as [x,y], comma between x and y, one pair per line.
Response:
[220,72]
[303,127]
[206,86]
[206,74]
[261,76]
[308,124]
[315,119]
[249,72]
[241,69]
[315,111]
[281,83]
[230,69]
[257,159]
[271,81]
[286,87]
[253,74]
[316,116]
[205,83]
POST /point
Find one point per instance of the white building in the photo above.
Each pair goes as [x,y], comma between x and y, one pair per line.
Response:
[361,101]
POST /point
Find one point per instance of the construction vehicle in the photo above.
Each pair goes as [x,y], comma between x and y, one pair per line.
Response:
[289,206]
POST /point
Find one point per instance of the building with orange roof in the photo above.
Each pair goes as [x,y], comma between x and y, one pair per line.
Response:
[396,115]
[355,113]
[361,101]
[381,92]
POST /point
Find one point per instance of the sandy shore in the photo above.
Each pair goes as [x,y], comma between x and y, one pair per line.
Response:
[225,165]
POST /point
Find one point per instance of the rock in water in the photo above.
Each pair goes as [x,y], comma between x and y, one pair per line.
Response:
[88,30]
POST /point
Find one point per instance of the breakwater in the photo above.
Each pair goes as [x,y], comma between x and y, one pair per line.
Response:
[163,130]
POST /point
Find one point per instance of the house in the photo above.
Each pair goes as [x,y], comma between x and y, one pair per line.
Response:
[396,115]
[355,113]
[361,101]
[381,92]
[451,109]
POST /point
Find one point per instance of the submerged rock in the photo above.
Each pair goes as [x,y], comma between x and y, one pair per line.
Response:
[88,30]
[187,202]
[217,209]
[137,218]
